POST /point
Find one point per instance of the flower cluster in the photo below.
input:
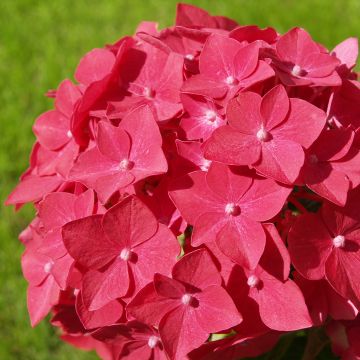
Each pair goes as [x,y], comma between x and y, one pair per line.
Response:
[196,181]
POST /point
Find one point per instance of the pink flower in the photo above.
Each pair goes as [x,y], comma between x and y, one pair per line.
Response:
[327,245]
[124,247]
[123,155]
[187,307]
[226,205]
[301,61]
[264,130]
[237,68]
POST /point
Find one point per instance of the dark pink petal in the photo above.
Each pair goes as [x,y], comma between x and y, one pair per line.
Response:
[340,308]
[274,107]
[146,141]
[342,271]
[347,52]
[243,113]
[84,204]
[171,79]
[295,45]
[106,185]
[232,147]
[189,15]
[231,182]
[349,165]
[105,316]
[205,86]
[40,299]
[61,270]
[276,163]
[129,223]
[333,185]
[92,164]
[243,241]
[333,144]
[67,95]
[33,267]
[207,226]
[246,60]
[310,245]
[192,189]
[158,254]
[251,33]
[168,287]
[113,142]
[148,307]
[303,125]
[180,333]
[33,189]
[261,73]
[217,58]
[282,306]
[264,199]
[87,243]
[99,288]
[216,311]
[57,209]
[51,129]
[94,66]
[197,269]
[320,65]
[164,109]
[276,259]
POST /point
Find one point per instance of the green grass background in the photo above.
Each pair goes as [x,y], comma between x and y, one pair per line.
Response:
[41,42]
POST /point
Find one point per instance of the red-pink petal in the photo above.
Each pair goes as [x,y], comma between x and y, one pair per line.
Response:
[197,269]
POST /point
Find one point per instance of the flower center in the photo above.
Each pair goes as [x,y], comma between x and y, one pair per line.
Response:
[187,299]
[253,281]
[230,80]
[232,209]
[205,165]
[48,266]
[126,254]
[149,93]
[210,116]
[189,57]
[298,71]
[339,241]
[263,135]
[69,134]
[153,341]
[126,164]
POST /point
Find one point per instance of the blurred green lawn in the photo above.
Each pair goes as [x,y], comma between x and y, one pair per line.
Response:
[41,42]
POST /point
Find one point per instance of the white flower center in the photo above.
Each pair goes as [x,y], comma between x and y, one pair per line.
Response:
[48,266]
[230,80]
[232,209]
[297,70]
[149,93]
[253,281]
[69,134]
[339,241]
[205,165]
[153,341]
[126,254]
[186,299]
[263,135]
[210,116]
[189,57]
[126,164]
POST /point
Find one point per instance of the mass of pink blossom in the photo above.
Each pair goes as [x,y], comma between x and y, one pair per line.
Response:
[197,194]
